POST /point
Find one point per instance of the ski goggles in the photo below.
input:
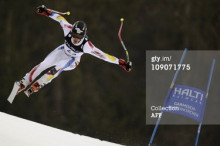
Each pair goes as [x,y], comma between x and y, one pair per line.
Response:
[78,36]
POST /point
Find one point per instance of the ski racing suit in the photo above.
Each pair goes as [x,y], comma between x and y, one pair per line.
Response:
[66,56]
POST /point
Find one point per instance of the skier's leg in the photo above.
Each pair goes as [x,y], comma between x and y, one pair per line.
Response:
[51,60]
[67,64]
[48,62]
[47,77]
[63,65]
[42,81]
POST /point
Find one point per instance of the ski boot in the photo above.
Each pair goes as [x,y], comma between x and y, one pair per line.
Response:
[34,88]
[22,85]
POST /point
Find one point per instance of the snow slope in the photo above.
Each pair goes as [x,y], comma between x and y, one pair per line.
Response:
[16,131]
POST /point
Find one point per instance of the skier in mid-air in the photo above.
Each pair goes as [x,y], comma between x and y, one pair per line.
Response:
[66,56]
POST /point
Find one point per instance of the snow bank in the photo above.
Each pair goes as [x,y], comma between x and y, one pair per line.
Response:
[16,131]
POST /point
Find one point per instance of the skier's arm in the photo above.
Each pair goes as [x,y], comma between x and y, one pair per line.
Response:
[42,10]
[91,49]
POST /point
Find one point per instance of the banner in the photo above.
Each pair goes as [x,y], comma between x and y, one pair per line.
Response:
[188,101]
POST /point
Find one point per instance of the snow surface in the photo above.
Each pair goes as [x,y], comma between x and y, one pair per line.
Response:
[16,131]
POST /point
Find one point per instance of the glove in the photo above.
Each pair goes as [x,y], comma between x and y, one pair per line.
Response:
[125,65]
[42,10]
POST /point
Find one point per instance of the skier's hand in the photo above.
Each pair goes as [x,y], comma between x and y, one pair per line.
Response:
[125,65]
[42,10]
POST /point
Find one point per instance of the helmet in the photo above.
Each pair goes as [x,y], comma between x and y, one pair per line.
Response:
[79,29]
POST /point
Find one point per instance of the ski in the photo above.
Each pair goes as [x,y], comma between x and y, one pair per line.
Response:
[33,88]
[13,92]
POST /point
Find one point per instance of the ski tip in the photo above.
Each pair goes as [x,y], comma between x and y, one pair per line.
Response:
[13,92]
[10,100]
[26,93]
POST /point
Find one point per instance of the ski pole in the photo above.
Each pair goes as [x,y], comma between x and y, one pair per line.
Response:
[120,38]
[60,13]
